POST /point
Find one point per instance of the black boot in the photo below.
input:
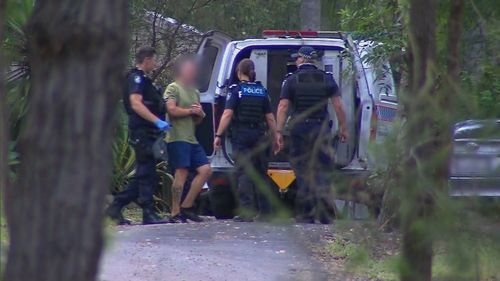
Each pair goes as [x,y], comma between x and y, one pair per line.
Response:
[114,211]
[149,216]
[190,214]
[326,212]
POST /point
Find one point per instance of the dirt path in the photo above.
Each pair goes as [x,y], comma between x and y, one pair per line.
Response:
[215,250]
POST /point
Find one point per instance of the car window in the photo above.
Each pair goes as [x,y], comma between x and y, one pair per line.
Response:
[206,66]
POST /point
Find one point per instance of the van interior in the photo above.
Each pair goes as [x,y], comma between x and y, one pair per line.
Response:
[272,66]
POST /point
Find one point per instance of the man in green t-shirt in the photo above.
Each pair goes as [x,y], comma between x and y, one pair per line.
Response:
[185,153]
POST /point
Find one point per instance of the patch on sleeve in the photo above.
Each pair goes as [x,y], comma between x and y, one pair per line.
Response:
[231,89]
[137,79]
[287,78]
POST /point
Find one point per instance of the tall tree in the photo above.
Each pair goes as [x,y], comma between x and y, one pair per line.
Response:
[421,147]
[4,139]
[54,209]
[310,15]
[429,118]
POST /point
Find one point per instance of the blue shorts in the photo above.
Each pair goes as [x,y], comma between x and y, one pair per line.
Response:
[185,155]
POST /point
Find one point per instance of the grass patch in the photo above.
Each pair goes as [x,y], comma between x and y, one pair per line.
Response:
[364,252]
[360,261]
[475,259]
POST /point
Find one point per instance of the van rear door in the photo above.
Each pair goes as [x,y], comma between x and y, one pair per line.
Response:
[211,51]
[333,61]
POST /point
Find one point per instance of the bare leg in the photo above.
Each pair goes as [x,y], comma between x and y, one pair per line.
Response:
[177,186]
[203,174]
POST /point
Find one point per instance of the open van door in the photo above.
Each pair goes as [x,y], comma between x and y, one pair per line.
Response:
[210,51]
[334,62]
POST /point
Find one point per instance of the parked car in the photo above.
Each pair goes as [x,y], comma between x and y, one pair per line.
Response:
[475,159]
[367,92]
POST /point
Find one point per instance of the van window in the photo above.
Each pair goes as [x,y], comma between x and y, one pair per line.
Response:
[207,66]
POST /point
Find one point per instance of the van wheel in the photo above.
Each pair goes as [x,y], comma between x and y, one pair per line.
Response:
[222,202]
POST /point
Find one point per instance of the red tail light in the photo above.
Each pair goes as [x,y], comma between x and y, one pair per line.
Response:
[289,33]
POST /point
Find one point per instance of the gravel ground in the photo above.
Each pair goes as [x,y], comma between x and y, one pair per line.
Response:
[215,250]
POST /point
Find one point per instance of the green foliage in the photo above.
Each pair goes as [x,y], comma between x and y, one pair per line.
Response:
[163,195]
[18,92]
[13,160]
[123,155]
[385,180]
[15,46]
[485,91]
[15,41]
[382,22]
[17,84]
[244,19]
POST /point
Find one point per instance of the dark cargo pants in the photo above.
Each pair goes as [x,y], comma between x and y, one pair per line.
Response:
[251,148]
[312,163]
[145,180]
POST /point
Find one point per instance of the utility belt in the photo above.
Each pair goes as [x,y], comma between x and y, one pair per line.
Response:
[148,144]
[310,120]
[315,120]
[250,125]
[146,132]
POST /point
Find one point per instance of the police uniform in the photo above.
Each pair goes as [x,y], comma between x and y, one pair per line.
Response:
[142,135]
[309,90]
[250,103]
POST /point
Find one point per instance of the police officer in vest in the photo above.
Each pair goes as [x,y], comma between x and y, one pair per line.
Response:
[147,111]
[308,91]
[249,108]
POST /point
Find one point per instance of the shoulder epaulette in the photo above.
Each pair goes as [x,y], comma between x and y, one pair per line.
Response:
[233,85]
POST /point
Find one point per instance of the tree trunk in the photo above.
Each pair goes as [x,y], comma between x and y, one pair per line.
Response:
[418,203]
[55,209]
[4,137]
[454,36]
[310,14]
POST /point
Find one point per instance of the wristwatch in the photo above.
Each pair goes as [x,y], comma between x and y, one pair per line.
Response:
[218,136]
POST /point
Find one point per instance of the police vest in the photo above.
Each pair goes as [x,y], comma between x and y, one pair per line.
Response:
[252,97]
[311,93]
[151,97]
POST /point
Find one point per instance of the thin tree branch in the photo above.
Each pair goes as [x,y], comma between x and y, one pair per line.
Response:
[171,43]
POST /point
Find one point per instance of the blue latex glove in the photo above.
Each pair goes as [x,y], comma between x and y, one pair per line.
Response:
[162,125]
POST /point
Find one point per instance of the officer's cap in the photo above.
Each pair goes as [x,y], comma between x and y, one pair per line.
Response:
[306,52]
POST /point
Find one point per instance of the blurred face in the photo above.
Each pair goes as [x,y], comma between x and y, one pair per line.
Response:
[188,73]
[299,60]
[149,64]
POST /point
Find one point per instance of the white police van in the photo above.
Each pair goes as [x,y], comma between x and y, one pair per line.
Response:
[368,93]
